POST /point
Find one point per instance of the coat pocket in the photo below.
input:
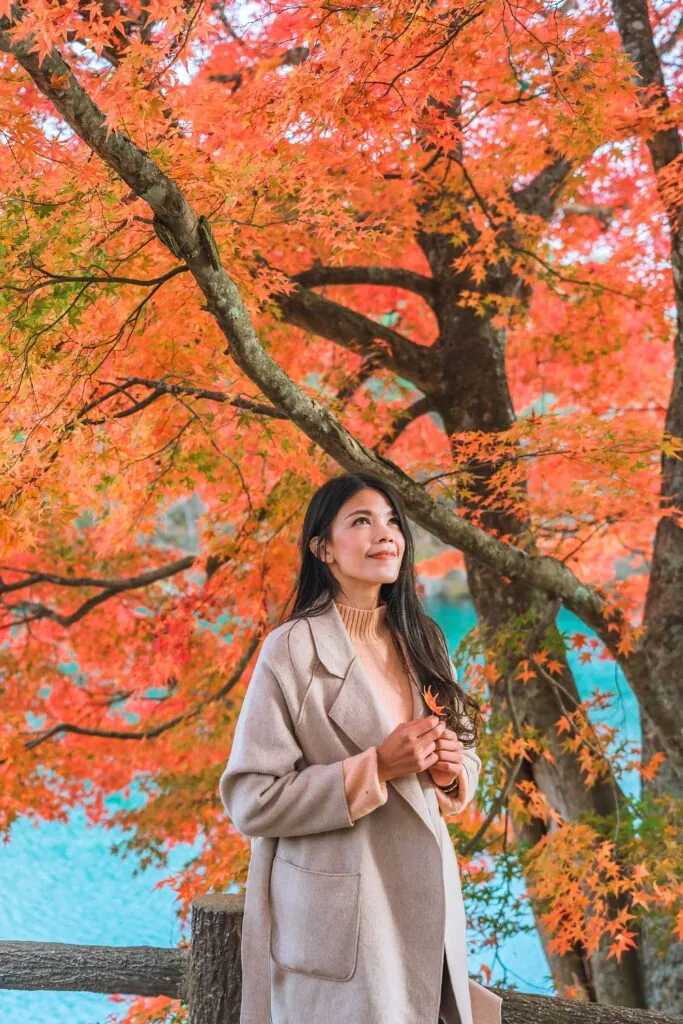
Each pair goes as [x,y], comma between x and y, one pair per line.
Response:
[315,920]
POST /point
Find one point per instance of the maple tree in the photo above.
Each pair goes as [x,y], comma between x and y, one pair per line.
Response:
[244,246]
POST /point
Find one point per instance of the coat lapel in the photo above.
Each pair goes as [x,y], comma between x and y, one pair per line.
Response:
[357,710]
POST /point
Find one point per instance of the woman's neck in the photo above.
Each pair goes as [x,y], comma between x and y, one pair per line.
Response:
[364,623]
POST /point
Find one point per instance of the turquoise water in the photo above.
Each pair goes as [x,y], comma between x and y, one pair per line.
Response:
[60,882]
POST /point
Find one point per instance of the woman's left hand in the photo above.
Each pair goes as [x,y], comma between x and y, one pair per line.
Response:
[450,751]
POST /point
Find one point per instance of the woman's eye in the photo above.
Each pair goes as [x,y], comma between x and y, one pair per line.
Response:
[394,518]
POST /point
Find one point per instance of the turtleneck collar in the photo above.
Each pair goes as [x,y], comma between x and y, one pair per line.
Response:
[364,623]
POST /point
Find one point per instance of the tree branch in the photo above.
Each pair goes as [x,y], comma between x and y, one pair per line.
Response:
[115,585]
[163,387]
[108,589]
[540,195]
[290,58]
[393,277]
[93,279]
[356,332]
[147,734]
[669,43]
[604,214]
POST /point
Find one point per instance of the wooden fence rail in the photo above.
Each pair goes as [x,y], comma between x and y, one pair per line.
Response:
[207,974]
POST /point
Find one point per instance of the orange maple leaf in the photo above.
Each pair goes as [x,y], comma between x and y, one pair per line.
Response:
[623,942]
[639,872]
[430,700]
[649,770]
[62,83]
[525,673]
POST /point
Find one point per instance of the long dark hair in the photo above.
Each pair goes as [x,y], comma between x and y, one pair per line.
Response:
[419,640]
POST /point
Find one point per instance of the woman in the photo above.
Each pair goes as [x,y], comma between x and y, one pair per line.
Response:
[339,773]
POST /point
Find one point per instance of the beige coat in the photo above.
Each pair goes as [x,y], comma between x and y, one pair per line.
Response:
[344,922]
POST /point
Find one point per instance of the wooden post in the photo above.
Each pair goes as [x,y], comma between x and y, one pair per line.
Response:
[215,979]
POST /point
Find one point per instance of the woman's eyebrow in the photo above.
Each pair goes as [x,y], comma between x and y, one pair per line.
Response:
[366,510]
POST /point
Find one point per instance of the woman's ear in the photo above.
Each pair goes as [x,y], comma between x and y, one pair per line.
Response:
[318,548]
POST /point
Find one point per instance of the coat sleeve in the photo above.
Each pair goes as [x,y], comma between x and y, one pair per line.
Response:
[261,788]
[468,775]
[364,791]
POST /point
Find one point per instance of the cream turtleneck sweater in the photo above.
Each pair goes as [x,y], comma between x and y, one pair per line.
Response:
[372,641]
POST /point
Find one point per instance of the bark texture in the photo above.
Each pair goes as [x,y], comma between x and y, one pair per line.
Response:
[62,967]
[215,976]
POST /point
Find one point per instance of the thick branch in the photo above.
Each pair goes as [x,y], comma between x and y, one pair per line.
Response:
[312,312]
[392,277]
[540,195]
[358,333]
[114,585]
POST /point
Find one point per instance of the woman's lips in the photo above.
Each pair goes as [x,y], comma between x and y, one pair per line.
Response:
[387,555]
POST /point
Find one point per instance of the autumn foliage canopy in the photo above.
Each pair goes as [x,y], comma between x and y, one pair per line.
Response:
[152,489]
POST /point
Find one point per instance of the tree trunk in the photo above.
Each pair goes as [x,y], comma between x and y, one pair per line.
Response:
[475,396]
[663,616]
[662,954]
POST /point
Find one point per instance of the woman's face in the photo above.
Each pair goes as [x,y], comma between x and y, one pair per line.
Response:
[365,526]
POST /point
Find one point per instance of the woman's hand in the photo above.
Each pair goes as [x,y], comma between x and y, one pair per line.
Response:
[450,751]
[411,747]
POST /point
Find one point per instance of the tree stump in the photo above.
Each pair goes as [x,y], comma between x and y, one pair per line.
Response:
[215,977]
